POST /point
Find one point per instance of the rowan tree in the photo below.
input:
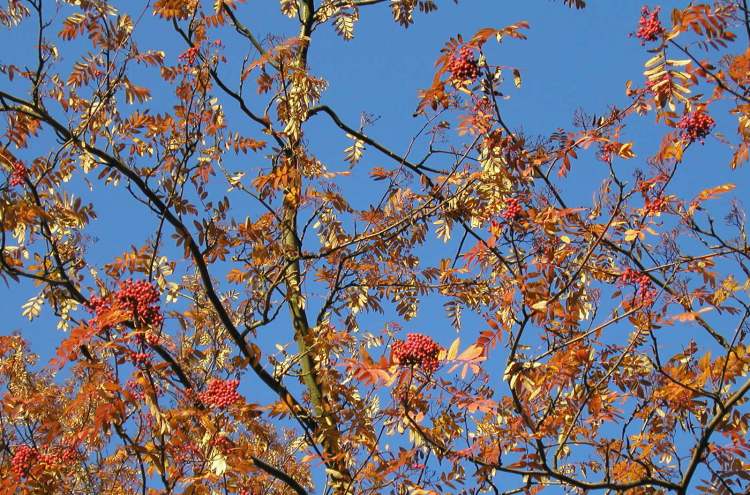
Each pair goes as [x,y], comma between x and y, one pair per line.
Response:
[255,330]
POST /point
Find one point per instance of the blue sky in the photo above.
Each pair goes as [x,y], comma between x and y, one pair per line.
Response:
[572,60]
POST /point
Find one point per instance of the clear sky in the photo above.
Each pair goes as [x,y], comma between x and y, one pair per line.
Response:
[573,59]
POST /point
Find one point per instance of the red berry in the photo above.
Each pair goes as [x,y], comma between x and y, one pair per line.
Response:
[140,299]
[140,358]
[23,459]
[220,393]
[512,209]
[649,26]
[696,126]
[152,338]
[418,350]
[644,289]
[18,175]
[223,444]
[463,66]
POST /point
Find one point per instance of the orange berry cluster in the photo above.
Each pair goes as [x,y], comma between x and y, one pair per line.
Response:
[512,209]
[220,393]
[696,126]
[23,459]
[139,358]
[463,66]
[138,298]
[644,289]
[223,444]
[141,299]
[62,456]
[149,338]
[18,174]
[418,350]
[649,26]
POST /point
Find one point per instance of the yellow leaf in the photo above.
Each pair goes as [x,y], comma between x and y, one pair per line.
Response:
[453,350]
[219,464]
[659,57]
[626,151]
[631,234]
[539,306]
[679,63]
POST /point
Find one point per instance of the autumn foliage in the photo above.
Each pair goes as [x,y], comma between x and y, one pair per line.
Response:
[472,309]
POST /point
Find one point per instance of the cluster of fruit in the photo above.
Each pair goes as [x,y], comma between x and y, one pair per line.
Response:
[417,350]
[696,126]
[463,66]
[644,288]
[512,209]
[140,299]
[220,393]
[649,26]
[26,457]
[18,175]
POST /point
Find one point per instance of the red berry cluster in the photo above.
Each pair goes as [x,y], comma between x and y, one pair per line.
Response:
[223,444]
[141,299]
[220,393]
[418,350]
[644,289]
[463,66]
[139,358]
[189,56]
[138,298]
[147,338]
[18,175]
[655,206]
[98,305]
[696,126]
[512,209]
[631,276]
[23,459]
[649,26]
[135,389]
[61,457]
